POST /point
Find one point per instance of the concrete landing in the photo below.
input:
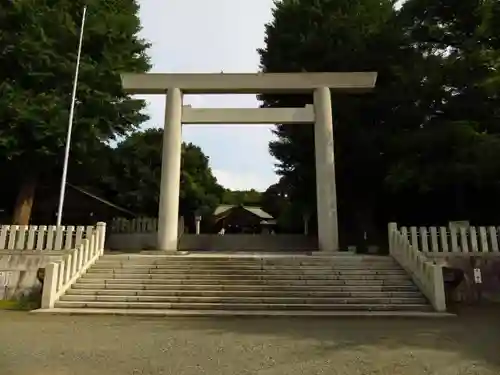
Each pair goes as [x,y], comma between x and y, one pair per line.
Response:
[242,313]
[241,254]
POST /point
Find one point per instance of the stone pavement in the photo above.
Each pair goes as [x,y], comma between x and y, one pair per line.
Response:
[33,344]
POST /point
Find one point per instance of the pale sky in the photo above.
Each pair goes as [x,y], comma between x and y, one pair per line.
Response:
[193,36]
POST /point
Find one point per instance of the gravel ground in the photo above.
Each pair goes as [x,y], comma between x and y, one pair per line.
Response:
[83,345]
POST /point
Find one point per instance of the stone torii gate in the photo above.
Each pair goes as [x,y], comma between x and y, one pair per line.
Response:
[320,114]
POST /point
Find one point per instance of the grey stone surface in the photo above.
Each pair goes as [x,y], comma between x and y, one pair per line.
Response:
[468,291]
[98,345]
[215,242]
[20,270]
[112,272]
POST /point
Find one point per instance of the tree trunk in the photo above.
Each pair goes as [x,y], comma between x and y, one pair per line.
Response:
[24,201]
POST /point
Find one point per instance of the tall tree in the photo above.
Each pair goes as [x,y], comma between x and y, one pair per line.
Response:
[454,152]
[38,45]
[423,147]
[338,35]
[135,173]
[276,201]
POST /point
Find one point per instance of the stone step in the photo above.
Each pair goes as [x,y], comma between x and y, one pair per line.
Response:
[277,282]
[245,299]
[232,284]
[247,261]
[243,287]
[242,306]
[248,277]
[250,267]
[249,256]
[244,293]
[251,264]
[245,313]
[238,271]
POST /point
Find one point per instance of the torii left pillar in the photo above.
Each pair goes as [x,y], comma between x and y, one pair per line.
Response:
[168,216]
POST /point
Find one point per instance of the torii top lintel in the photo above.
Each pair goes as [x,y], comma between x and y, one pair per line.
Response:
[247,83]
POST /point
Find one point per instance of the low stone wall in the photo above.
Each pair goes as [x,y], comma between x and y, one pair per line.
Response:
[131,241]
[19,270]
[468,292]
[247,242]
[214,242]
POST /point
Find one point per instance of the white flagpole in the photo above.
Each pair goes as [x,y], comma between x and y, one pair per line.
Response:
[70,123]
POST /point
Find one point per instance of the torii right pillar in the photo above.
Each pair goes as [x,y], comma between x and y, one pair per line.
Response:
[328,231]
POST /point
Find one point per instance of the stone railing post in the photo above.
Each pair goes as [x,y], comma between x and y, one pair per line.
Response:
[438,289]
[61,275]
[101,230]
[50,285]
[391,228]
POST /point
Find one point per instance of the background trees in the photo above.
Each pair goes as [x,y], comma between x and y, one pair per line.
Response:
[335,35]
[452,156]
[134,173]
[242,197]
[38,45]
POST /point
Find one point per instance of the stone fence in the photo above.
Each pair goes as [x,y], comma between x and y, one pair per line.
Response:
[472,249]
[141,234]
[47,238]
[26,249]
[427,275]
[460,241]
[60,275]
[139,225]
[135,234]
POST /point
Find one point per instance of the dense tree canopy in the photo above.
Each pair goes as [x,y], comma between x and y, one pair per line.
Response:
[459,45]
[276,201]
[134,176]
[242,197]
[38,45]
[423,147]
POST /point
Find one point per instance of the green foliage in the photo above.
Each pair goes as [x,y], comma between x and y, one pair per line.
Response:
[8,305]
[38,63]
[134,176]
[333,35]
[242,197]
[276,201]
[200,192]
[425,141]
[457,142]
[25,302]
[38,44]
[445,155]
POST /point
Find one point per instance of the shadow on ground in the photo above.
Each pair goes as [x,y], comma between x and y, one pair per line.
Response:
[474,333]
[467,344]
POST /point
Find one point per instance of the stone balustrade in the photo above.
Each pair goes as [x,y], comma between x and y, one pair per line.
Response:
[47,238]
[59,276]
[425,273]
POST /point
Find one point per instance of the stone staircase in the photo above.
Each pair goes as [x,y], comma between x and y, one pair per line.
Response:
[245,285]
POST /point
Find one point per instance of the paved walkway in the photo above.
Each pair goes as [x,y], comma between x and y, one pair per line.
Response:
[101,345]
